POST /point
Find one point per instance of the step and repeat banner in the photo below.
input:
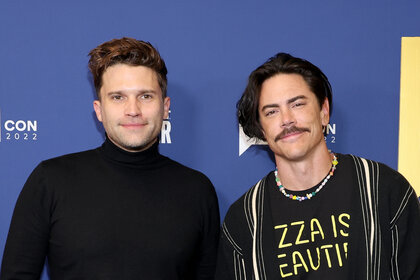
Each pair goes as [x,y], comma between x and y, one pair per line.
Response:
[210,48]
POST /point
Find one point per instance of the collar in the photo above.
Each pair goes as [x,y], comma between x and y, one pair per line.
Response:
[146,158]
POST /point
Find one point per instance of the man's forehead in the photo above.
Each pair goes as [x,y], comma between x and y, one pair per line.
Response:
[123,69]
[284,81]
[285,88]
[123,75]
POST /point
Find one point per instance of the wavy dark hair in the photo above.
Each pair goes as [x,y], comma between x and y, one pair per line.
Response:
[281,63]
[126,51]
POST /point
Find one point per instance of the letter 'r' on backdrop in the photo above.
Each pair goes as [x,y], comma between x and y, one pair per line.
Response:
[210,48]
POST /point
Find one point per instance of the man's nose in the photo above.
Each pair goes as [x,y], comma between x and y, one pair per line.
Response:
[133,108]
[287,117]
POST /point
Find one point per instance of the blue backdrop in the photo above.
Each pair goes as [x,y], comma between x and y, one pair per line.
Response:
[210,48]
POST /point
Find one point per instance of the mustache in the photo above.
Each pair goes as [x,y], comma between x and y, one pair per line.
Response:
[290,130]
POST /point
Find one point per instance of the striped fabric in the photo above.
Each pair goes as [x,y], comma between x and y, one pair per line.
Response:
[367,177]
[251,261]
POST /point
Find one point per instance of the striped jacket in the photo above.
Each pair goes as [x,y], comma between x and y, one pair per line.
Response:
[389,223]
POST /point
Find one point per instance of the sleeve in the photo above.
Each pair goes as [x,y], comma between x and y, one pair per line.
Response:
[210,236]
[230,260]
[27,242]
[405,236]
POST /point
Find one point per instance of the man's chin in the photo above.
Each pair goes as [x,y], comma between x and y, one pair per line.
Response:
[137,147]
[294,154]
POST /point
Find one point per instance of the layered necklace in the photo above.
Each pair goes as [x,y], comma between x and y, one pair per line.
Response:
[312,194]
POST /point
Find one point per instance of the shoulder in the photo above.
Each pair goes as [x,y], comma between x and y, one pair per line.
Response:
[185,173]
[73,159]
[237,227]
[393,190]
[39,186]
[63,162]
[60,169]
[241,210]
[190,183]
[379,172]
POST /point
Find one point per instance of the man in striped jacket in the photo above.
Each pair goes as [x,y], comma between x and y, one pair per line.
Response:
[320,214]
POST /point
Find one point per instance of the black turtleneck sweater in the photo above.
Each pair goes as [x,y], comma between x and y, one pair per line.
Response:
[111,214]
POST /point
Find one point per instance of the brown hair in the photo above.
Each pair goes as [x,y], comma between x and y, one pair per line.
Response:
[247,106]
[126,51]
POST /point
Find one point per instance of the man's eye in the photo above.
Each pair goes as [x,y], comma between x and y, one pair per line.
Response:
[269,113]
[146,96]
[116,97]
[298,104]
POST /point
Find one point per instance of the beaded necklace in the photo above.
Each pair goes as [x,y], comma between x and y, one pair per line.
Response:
[312,194]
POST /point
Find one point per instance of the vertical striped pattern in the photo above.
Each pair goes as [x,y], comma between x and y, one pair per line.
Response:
[257,202]
[237,255]
[367,178]
[248,210]
[239,266]
[394,257]
[230,239]
[253,210]
[395,274]
[368,183]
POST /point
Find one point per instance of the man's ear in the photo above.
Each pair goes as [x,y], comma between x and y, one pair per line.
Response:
[325,112]
[166,107]
[97,107]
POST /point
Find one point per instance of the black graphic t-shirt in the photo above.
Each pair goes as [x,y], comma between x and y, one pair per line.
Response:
[313,236]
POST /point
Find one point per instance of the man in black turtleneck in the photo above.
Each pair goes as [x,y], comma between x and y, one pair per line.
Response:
[121,211]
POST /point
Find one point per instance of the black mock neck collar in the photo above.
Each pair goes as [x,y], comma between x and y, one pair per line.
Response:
[144,158]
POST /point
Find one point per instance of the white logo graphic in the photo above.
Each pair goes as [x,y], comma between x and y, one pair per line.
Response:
[165,132]
[329,132]
[330,128]
[19,130]
[21,125]
[245,142]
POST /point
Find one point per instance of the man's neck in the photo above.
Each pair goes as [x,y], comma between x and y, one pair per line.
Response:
[303,174]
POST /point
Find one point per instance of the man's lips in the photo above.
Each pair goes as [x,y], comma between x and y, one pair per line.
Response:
[133,125]
[290,134]
[290,131]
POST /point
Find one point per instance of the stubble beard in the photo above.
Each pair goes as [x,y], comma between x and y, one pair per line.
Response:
[136,144]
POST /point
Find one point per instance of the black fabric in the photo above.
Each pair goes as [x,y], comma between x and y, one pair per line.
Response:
[399,227]
[111,214]
[318,227]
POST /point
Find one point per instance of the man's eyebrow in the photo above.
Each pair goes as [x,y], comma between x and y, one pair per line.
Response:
[269,106]
[138,91]
[291,100]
